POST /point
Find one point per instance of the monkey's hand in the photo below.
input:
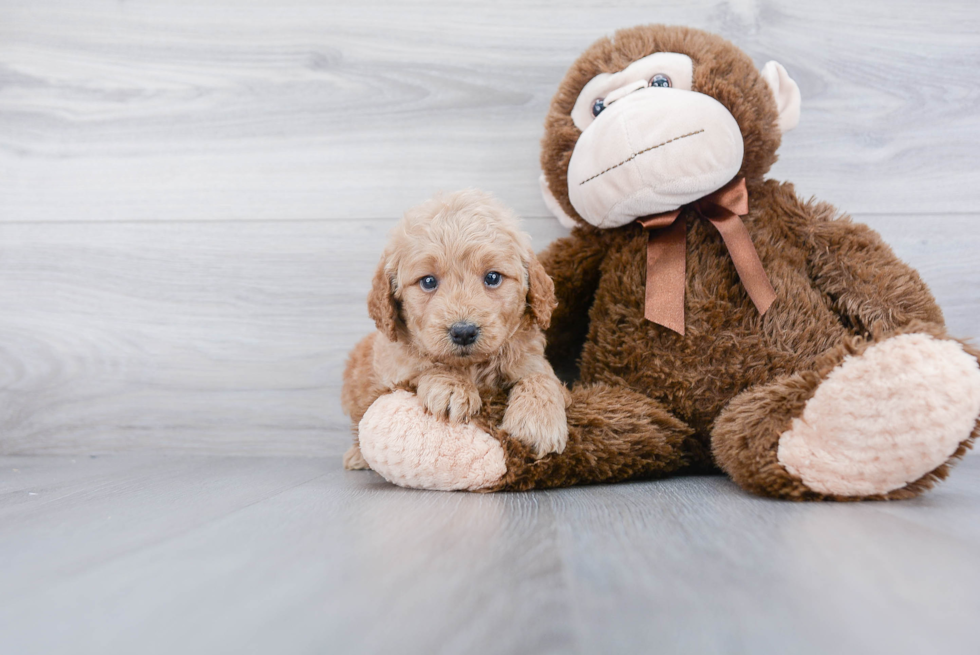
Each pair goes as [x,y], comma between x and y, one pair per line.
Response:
[449,394]
[536,414]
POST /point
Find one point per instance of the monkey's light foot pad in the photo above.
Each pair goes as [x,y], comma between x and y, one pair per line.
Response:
[885,418]
[412,448]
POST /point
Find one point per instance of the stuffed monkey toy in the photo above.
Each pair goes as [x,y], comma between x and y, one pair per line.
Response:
[708,317]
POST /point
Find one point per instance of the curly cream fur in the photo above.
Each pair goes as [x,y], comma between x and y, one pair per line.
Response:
[458,238]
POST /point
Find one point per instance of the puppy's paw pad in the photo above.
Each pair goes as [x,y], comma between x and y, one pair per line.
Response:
[435,398]
[464,403]
[445,397]
[544,429]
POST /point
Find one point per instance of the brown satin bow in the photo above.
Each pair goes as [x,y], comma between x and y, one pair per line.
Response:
[667,249]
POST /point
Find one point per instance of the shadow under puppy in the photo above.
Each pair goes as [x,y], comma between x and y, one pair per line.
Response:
[460,302]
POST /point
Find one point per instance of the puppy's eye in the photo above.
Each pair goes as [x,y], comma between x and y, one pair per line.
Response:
[660,80]
[429,283]
[493,279]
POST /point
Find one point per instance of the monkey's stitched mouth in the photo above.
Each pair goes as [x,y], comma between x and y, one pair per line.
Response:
[637,154]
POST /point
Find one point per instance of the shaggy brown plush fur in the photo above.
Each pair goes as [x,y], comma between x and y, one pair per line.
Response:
[649,402]
[614,434]
[732,384]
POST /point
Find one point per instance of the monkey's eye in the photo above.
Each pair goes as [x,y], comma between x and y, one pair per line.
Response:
[493,279]
[429,283]
[598,106]
[660,80]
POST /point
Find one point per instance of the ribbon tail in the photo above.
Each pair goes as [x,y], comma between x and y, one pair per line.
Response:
[666,274]
[746,259]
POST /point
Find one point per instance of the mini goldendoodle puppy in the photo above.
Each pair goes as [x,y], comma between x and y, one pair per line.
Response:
[460,302]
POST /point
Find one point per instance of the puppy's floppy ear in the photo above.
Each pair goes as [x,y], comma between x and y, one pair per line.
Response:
[540,292]
[382,306]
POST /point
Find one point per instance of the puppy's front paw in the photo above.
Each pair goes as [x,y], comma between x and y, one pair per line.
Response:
[447,396]
[536,415]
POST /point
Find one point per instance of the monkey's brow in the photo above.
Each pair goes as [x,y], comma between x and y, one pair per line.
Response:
[637,154]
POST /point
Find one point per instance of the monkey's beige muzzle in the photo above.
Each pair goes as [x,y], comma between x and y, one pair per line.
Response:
[652,151]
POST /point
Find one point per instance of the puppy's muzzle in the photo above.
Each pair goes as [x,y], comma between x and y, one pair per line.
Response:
[463,333]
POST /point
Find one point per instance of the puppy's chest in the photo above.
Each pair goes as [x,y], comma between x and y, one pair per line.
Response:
[489,378]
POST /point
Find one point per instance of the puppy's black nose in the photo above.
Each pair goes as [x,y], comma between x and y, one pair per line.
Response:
[463,334]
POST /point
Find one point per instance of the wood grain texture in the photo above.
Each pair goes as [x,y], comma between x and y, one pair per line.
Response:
[193,194]
[152,554]
[217,337]
[304,109]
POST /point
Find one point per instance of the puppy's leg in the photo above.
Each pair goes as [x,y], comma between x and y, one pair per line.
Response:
[448,393]
[361,388]
[353,460]
[536,413]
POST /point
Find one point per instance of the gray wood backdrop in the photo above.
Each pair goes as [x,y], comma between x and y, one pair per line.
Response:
[193,194]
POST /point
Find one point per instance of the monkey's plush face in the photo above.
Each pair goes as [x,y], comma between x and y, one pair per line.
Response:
[647,132]
[649,143]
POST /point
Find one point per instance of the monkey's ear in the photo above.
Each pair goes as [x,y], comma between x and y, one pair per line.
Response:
[553,206]
[382,306]
[540,292]
[786,92]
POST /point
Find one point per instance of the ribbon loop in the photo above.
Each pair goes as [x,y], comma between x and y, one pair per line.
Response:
[667,252]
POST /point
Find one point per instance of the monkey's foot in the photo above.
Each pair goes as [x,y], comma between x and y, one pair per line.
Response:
[412,448]
[885,418]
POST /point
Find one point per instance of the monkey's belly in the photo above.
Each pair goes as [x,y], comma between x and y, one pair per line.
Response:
[727,346]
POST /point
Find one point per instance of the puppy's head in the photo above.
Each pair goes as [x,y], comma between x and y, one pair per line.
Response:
[458,278]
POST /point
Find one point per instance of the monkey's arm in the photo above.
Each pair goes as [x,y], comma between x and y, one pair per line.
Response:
[869,286]
[573,262]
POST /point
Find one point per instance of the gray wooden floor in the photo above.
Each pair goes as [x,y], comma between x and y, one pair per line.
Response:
[143,553]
